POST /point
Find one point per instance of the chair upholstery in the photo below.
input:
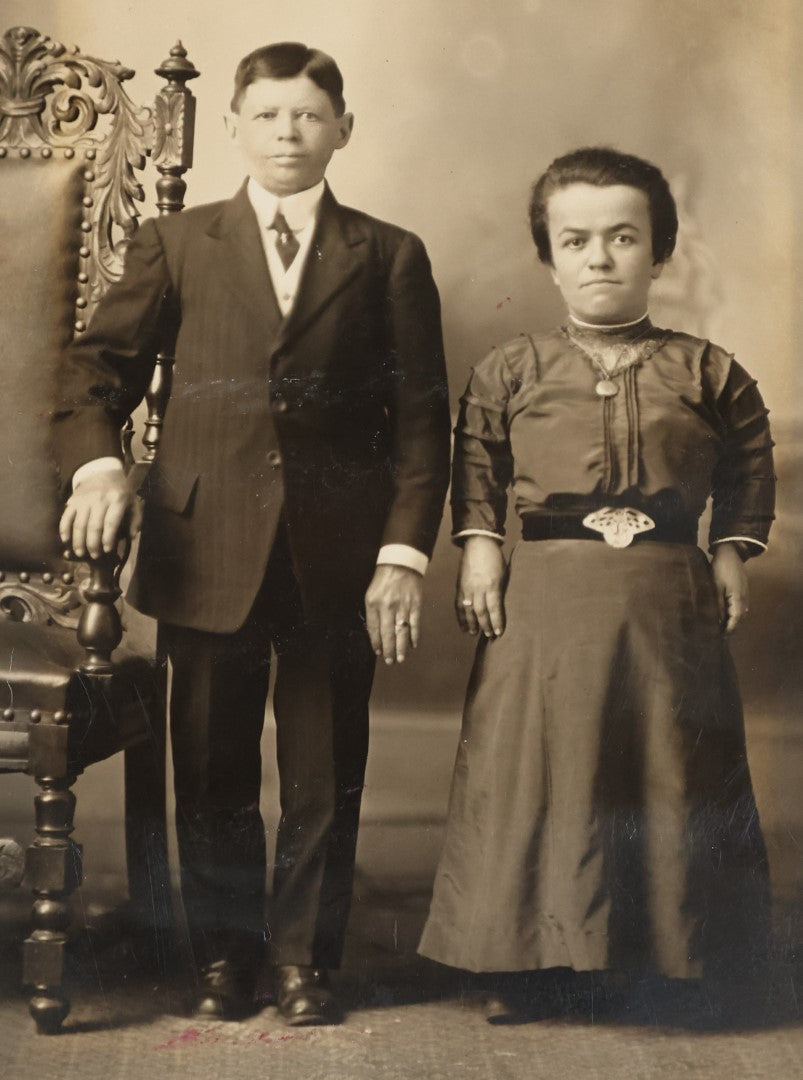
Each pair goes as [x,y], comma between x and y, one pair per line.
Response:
[47,679]
[71,145]
[39,203]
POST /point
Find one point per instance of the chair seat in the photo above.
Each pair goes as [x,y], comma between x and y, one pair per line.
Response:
[102,713]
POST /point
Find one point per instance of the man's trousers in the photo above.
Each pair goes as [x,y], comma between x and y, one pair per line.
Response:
[324,672]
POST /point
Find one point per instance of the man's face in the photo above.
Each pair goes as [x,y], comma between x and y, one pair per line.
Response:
[601,239]
[287,131]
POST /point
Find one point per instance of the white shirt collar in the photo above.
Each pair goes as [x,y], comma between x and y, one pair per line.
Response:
[299,209]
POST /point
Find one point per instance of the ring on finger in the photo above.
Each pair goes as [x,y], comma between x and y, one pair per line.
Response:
[467,603]
[401,623]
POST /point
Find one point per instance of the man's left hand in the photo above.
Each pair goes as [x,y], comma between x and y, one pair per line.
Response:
[393,611]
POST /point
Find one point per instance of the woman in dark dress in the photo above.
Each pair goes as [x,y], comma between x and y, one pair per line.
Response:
[602,814]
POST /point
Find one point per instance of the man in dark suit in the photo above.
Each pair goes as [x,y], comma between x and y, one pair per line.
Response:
[294,504]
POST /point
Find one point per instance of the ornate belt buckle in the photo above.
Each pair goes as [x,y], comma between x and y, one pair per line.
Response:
[618,524]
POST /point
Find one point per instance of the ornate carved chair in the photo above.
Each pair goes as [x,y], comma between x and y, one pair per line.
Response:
[71,145]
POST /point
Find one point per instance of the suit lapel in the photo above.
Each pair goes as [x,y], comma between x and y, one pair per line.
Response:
[243,265]
[336,255]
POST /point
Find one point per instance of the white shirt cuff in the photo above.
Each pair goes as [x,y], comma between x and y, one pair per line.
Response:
[477,532]
[98,465]
[402,555]
[746,539]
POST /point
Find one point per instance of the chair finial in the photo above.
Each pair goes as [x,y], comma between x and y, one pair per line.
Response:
[177,68]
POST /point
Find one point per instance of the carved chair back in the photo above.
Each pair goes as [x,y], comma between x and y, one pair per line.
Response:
[71,146]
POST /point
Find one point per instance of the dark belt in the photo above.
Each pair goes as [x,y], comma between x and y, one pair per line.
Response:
[571,527]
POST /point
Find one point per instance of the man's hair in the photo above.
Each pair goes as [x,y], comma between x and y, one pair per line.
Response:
[285,60]
[605,167]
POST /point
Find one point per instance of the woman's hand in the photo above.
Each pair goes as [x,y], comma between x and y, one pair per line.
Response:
[730,578]
[479,599]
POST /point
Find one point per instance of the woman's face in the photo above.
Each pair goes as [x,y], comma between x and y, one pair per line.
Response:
[601,239]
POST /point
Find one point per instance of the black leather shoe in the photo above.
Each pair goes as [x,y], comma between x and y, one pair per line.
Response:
[225,992]
[303,996]
[503,1009]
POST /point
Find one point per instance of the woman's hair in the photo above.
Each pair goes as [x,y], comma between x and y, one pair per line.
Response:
[604,167]
[285,60]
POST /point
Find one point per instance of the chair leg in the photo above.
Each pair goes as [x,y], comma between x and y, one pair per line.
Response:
[54,869]
[146,848]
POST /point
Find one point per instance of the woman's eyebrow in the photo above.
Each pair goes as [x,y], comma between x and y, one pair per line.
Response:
[611,228]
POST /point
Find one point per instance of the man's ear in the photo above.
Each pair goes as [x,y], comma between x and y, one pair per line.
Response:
[657,269]
[231,122]
[345,128]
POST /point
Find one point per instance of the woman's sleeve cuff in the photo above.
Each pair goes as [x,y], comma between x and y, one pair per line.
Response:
[745,545]
[456,537]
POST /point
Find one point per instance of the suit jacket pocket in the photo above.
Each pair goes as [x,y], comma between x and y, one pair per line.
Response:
[170,488]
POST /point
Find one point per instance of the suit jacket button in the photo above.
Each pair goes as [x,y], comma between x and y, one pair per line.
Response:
[274,458]
[280,406]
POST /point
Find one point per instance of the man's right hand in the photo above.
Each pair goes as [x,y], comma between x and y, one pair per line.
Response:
[95,511]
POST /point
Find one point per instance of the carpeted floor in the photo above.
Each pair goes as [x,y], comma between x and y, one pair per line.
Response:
[407,1019]
[432,1040]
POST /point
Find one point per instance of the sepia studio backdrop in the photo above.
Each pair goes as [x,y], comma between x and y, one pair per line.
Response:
[459,104]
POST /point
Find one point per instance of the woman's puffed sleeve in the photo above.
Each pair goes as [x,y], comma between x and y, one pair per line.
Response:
[482,468]
[743,485]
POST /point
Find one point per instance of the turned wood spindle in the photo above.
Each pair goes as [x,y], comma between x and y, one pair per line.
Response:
[54,865]
[100,630]
[173,129]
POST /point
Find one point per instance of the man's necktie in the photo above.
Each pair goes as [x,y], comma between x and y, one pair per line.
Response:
[286,243]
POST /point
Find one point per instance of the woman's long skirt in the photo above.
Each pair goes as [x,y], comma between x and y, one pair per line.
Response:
[602,813]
